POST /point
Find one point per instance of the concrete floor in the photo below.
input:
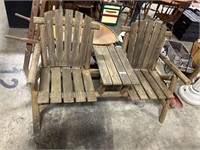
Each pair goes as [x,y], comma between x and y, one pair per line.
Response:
[120,124]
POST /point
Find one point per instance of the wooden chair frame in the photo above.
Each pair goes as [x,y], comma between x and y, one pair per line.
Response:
[64,73]
[142,44]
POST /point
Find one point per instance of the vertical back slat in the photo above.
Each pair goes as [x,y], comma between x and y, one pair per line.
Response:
[76,39]
[89,50]
[151,45]
[132,40]
[84,39]
[59,35]
[138,45]
[68,37]
[146,40]
[159,44]
[156,40]
[50,37]
[43,45]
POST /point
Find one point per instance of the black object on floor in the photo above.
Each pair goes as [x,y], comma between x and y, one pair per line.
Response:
[187,26]
[21,7]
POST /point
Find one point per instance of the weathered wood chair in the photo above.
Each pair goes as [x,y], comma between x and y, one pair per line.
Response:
[143,43]
[64,75]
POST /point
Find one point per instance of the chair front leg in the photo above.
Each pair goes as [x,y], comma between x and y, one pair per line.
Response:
[164,111]
[35,112]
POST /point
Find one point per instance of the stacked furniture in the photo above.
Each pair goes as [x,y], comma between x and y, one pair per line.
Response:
[187,26]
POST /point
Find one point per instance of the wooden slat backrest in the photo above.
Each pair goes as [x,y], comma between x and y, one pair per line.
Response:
[145,42]
[66,41]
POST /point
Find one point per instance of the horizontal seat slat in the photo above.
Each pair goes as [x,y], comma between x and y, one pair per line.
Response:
[89,88]
[78,86]
[154,85]
[146,85]
[55,85]
[68,95]
[43,95]
[133,94]
[140,91]
[162,85]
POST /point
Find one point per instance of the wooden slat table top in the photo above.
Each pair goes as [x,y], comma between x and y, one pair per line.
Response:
[113,66]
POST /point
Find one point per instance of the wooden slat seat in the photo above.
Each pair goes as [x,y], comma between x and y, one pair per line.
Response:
[150,86]
[64,85]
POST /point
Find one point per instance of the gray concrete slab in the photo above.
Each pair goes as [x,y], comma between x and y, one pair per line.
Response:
[114,124]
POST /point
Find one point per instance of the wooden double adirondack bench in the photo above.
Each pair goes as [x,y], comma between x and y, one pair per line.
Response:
[65,76]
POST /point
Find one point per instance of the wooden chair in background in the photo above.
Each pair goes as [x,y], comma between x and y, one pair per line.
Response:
[170,13]
[85,5]
[143,43]
[131,6]
[64,75]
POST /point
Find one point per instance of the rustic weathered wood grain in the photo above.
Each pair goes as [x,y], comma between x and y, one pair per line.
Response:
[145,44]
[89,87]
[55,85]
[132,38]
[76,40]
[89,50]
[127,66]
[110,66]
[68,37]
[138,44]
[119,66]
[141,92]
[158,46]
[44,89]
[133,94]
[151,47]
[146,85]
[105,76]
[154,84]
[50,37]
[43,42]
[78,86]
[68,94]
[34,65]
[59,35]
[84,40]
[162,85]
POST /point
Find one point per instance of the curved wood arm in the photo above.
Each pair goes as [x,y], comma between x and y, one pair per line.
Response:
[178,73]
[34,65]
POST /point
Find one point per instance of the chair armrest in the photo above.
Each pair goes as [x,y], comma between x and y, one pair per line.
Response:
[34,65]
[178,73]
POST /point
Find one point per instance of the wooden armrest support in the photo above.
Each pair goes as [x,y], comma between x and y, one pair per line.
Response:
[178,73]
[165,77]
[34,65]
[27,40]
